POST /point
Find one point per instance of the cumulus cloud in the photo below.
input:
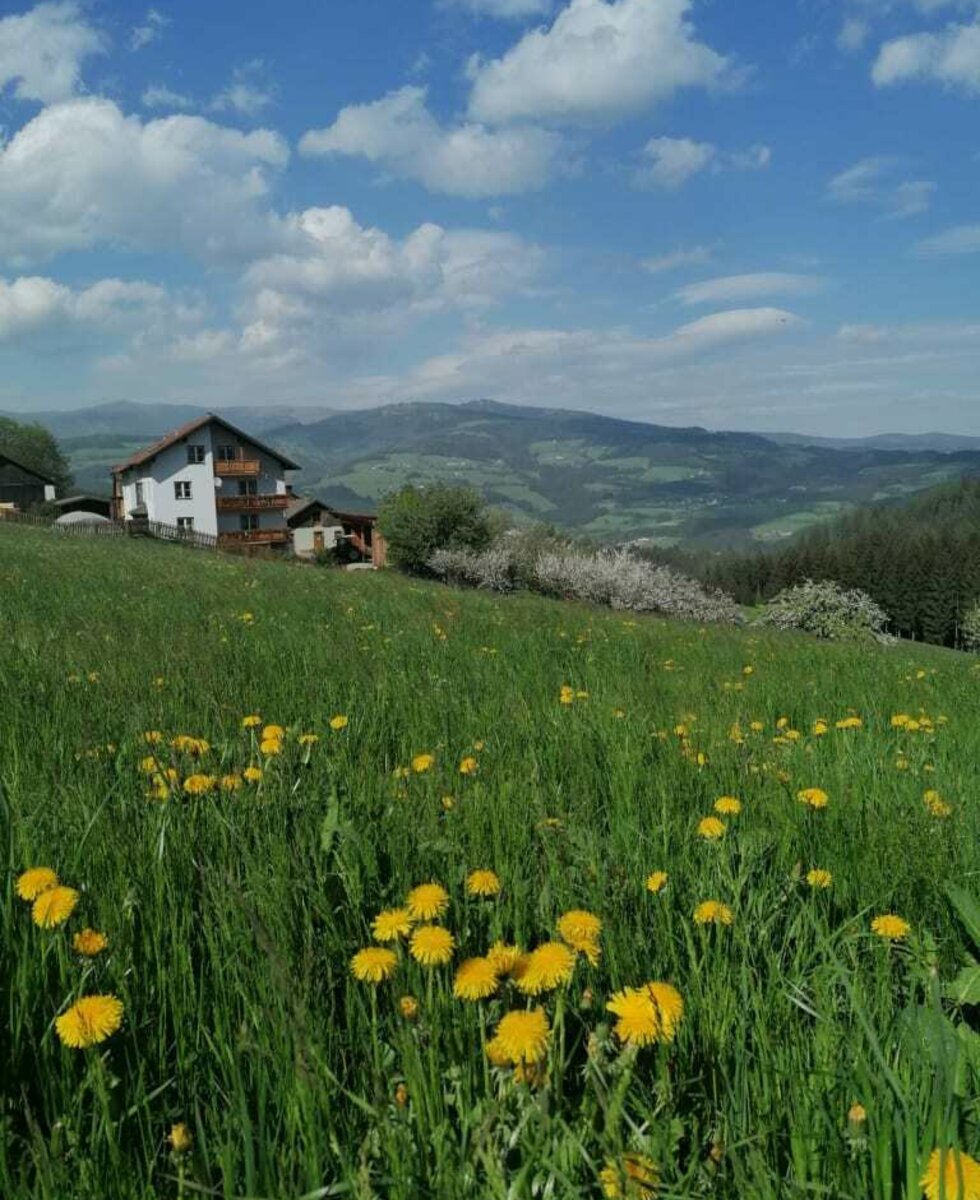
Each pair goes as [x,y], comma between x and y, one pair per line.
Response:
[960,239]
[508,10]
[749,287]
[158,95]
[684,256]
[82,174]
[600,60]
[874,181]
[248,94]
[400,134]
[950,57]
[669,163]
[42,51]
[32,303]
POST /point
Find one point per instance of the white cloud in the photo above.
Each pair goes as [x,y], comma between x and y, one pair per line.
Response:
[960,239]
[937,333]
[399,133]
[151,28]
[853,34]
[32,303]
[158,95]
[749,287]
[248,94]
[42,51]
[951,57]
[508,10]
[81,174]
[684,256]
[668,162]
[873,181]
[598,61]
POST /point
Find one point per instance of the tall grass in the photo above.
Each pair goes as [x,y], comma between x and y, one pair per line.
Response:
[232,918]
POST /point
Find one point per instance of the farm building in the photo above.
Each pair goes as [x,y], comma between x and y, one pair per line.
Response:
[317,526]
[22,487]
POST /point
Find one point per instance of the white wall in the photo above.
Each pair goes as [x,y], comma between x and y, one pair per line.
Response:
[303,538]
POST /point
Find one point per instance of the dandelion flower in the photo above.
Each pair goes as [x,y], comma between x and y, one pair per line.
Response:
[819,878]
[422,763]
[308,739]
[482,883]
[338,722]
[180,1138]
[431,945]
[89,1021]
[153,737]
[427,901]
[632,1177]
[713,912]
[728,806]
[857,1114]
[711,829]
[496,1053]
[656,881]
[231,783]
[391,924]
[504,958]
[34,881]
[951,1175]
[252,774]
[935,803]
[89,942]
[475,979]
[522,1036]
[813,797]
[547,966]
[647,1014]
[54,907]
[270,747]
[373,964]
[274,732]
[890,927]
[252,721]
[468,765]
[194,746]
[408,1006]
[580,930]
[199,785]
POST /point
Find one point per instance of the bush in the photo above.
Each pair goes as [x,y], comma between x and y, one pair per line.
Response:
[970,628]
[417,522]
[827,610]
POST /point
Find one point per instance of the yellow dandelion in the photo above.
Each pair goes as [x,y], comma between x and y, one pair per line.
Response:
[422,763]
[373,964]
[951,1175]
[199,785]
[475,979]
[231,783]
[391,924]
[468,765]
[408,1006]
[273,733]
[713,912]
[890,928]
[647,1014]
[89,942]
[338,722]
[504,958]
[153,737]
[180,1138]
[482,883]
[270,747]
[547,966]
[711,829]
[935,803]
[308,739]
[89,1021]
[252,774]
[656,881]
[728,806]
[813,797]
[819,878]
[521,1037]
[252,721]
[857,1114]
[33,882]
[194,746]
[580,930]
[427,901]
[148,765]
[632,1177]
[431,945]
[54,907]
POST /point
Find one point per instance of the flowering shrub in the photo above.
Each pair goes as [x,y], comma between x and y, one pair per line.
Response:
[970,628]
[493,570]
[827,610]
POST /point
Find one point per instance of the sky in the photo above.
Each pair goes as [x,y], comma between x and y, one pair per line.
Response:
[762,215]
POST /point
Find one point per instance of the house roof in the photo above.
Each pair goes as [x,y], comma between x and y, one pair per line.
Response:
[4,457]
[355,518]
[87,496]
[185,430]
[302,503]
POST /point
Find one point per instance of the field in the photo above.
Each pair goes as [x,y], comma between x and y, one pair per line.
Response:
[811,1057]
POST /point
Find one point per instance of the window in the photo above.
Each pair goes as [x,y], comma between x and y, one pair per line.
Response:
[182,490]
[226,453]
[195,454]
[139,491]
[185,523]
[249,522]
[248,487]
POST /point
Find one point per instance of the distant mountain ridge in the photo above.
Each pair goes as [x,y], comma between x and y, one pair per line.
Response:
[605,477]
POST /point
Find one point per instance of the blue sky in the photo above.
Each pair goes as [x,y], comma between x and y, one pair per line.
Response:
[759,216]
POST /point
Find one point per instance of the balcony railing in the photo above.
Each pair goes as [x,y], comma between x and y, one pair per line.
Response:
[237,466]
[254,537]
[251,503]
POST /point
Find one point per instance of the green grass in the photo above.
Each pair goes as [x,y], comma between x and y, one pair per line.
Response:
[232,919]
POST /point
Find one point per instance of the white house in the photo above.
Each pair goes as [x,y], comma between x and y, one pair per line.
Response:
[207,477]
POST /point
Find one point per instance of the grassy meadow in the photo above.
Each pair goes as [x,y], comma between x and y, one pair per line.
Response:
[812,1058]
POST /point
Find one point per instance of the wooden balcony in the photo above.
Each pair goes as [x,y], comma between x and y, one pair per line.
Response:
[237,467]
[251,503]
[254,537]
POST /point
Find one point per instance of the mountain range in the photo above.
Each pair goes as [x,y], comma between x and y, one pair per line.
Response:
[607,478]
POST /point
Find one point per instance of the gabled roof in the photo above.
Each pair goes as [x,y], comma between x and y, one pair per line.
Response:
[300,505]
[184,431]
[4,457]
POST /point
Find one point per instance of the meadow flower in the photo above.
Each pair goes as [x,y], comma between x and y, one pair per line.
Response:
[849,723]
[273,733]
[194,746]
[180,1138]
[89,1021]
[504,958]
[153,737]
[468,765]
[756,726]
[308,739]
[431,945]
[252,721]
[580,930]
[935,803]
[427,901]
[711,829]
[373,964]
[656,881]
[812,797]
[270,747]
[632,1177]
[199,785]
[522,1036]
[951,1175]
[547,966]
[148,765]
[338,722]
[391,924]
[713,912]
[890,928]
[408,1006]
[252,774]
[32,882]
[54,907]
[475,979]
[819,878]
[820,727]
[401,1095]
[647,1014]
[483,883]
[857,1114]
[89,942]
[728,806]
[231,783]
[422,763]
